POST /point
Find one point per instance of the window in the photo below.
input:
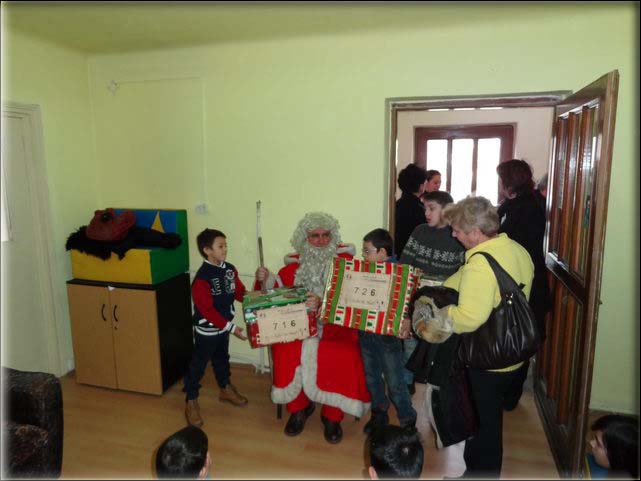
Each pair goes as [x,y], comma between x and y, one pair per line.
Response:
[466,157]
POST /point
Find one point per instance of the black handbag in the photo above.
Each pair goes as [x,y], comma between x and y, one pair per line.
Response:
[510,335]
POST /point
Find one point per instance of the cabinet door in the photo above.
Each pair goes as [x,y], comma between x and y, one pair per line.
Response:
[91,329]
[136,347]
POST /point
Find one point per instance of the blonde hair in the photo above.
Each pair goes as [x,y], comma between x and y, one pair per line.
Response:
[473,213]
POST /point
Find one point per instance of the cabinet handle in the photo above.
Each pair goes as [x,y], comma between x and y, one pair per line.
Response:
[115,318]
[102,312]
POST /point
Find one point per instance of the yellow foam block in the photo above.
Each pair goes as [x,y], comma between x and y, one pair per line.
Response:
[135,267]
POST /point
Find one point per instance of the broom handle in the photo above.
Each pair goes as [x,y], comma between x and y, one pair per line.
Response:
[260,241]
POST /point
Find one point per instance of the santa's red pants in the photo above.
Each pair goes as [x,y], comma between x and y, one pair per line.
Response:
[333,414]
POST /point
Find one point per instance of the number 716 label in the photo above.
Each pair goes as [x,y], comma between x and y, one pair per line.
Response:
[282,323]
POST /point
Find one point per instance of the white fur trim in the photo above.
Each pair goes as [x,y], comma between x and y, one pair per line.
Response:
[346,249]
[305,378]
[272,280]
[283,395]
[309,358]
[291,258]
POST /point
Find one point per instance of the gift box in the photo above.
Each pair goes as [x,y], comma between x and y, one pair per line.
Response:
[278,315]
[369,296]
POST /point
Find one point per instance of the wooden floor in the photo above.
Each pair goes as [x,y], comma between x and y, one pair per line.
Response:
[113,434]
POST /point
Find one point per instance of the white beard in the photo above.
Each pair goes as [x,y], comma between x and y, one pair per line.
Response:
[314,267]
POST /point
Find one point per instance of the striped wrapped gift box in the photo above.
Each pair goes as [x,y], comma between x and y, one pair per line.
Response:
[369,296]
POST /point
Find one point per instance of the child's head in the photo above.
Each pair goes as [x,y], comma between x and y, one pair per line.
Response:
[395,452]
[212,245]
[616,444]
[184,454]
[378,245]
[434,203]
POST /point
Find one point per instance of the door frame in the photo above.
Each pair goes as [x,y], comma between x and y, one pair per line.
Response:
[522,100]
[38,188]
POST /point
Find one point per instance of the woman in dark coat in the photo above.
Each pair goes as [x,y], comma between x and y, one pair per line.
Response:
[522,217]
[410,211]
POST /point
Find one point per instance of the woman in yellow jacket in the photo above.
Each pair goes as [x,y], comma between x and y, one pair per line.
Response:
[475,224]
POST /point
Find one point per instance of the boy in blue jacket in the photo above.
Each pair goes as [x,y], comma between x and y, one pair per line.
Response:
[382,354]
[214,289]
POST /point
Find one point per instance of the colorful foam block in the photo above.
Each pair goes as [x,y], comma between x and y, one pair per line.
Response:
[149,265]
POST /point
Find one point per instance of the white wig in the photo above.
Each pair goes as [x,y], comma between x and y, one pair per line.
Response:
[314,261]
[311,221]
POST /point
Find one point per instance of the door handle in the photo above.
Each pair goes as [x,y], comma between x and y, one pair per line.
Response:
[102,312]
[114,314]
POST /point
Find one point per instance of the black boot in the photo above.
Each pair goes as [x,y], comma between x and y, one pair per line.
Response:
[297,420]
[333,431]
[409,425]
[378,419]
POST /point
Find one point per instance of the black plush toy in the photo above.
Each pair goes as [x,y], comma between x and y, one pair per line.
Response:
[136,237]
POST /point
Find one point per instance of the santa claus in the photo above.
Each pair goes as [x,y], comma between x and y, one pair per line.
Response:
[326,368]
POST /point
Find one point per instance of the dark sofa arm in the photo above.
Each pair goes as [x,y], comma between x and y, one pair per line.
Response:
[35,398]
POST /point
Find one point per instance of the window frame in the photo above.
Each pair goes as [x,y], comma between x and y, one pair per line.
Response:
[475,132]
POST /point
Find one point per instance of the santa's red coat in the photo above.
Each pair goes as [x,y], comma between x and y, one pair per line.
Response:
[328,369]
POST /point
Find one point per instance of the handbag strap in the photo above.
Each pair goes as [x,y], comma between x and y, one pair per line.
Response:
[505,281]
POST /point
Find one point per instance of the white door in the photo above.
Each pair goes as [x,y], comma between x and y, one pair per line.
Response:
[26,324]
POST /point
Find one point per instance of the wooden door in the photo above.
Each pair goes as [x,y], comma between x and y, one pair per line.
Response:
[577,207]
[89,310]
[136,347]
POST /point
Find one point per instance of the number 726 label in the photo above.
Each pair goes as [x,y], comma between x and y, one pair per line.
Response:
[365,290]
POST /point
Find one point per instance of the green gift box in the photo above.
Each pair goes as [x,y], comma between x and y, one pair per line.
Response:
[278,315]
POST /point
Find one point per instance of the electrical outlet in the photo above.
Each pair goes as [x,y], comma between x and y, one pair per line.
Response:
[201,208]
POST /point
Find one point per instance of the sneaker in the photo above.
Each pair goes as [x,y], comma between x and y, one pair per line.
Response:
[192,413]
[231,395]
[378,419]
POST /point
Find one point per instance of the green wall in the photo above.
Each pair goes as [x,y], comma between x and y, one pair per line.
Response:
[56,79]
[300,124]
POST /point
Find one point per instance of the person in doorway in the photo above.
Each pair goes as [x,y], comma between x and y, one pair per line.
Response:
[475,223]
[431,248]
[433,182]
[542,185]
[326,368]
[522,218]
[409,210]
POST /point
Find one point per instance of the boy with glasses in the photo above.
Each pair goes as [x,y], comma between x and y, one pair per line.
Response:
[383,355]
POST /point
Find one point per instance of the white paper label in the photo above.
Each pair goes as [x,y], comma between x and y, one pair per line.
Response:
[282,323]
[429,282]
[365,290]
